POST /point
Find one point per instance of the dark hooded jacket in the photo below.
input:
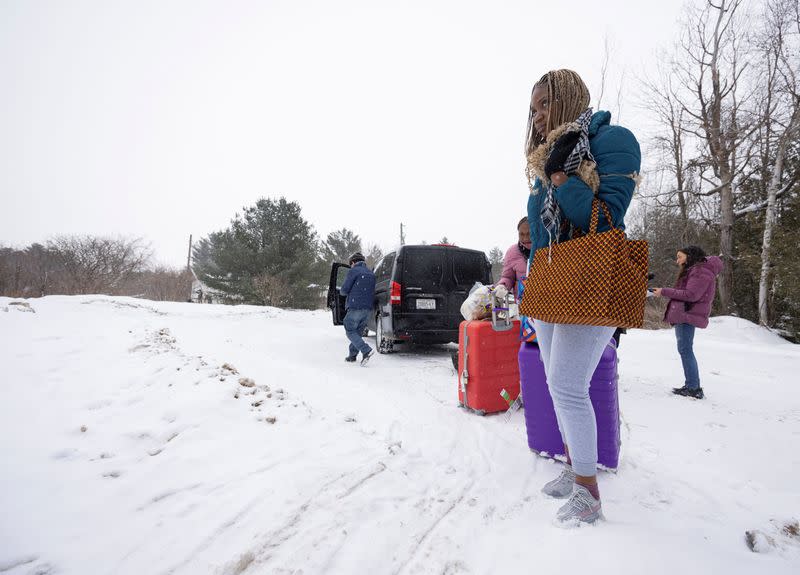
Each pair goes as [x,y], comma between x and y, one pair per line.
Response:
[359,287]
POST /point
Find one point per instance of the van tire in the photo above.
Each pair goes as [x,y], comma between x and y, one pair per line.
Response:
[382,343]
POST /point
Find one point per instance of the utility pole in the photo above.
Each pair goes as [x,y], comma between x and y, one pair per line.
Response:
[189,268]
[402,235]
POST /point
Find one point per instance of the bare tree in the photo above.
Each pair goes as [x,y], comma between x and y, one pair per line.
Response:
[608,51]
[604,70]
[662,101]
[780,121]
[71,265]
[711,66]
[728,149]
[160,283]
[89,264]
[12,272]
[272,290]
[619,96]
[41,268]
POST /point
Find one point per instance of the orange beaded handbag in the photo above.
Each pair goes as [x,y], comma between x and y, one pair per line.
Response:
[595,279]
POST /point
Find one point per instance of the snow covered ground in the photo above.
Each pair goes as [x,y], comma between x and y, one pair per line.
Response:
[128,446]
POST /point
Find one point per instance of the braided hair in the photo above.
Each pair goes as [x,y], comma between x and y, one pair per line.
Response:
[567,98]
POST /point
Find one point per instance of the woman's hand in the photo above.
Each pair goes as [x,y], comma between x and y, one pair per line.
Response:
[562,148]
[657,291]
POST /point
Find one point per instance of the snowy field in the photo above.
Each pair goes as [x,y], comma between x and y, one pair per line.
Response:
[129,446]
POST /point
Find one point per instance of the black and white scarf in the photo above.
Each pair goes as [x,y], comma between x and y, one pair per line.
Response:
[550,211]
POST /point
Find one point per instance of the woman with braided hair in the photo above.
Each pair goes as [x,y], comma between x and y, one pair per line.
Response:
[573,156]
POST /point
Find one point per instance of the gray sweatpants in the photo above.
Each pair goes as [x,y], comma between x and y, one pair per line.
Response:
[570,354]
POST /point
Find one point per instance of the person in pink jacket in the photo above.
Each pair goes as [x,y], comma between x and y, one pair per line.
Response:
[689,307]
[515,262]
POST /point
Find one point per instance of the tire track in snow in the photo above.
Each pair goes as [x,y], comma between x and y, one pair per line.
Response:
[425,535]
[292,526]
[379,468]
[232,521]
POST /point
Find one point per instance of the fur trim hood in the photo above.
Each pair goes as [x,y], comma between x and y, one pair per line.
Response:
[587,170]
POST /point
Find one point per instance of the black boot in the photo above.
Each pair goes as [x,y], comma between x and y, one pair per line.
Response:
[351,358]
[695,392]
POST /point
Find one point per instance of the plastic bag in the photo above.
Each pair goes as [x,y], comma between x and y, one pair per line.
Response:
[479,302]
[483,298]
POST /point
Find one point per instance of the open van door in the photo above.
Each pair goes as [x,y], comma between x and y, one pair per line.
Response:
[336,300]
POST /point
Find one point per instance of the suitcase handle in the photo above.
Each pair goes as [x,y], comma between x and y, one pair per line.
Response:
[502,323]
[465,372]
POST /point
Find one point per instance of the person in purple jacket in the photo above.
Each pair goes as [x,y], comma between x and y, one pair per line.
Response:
[689,307]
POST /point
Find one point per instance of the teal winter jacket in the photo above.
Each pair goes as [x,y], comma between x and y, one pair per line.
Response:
[618,158]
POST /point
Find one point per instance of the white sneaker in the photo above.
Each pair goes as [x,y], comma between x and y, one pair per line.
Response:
[561,486]
[582,507]
[365,359]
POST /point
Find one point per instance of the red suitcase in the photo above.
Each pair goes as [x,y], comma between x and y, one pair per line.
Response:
[487,364]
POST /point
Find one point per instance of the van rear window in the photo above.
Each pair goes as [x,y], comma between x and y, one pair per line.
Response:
[470,267]
[423,269]
[384,269]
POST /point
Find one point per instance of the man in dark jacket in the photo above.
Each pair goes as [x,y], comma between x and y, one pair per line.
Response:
[359,289]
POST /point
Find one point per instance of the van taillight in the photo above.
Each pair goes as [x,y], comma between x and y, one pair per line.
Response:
[395,294]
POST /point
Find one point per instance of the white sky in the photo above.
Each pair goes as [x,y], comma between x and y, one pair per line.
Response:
[164,118]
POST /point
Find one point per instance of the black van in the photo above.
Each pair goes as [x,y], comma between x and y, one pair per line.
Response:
[419,290]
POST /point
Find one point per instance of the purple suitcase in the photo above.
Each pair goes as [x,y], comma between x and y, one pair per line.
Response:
[540,416]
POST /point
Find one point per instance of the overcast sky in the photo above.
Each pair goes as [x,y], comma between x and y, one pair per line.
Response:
[164,118]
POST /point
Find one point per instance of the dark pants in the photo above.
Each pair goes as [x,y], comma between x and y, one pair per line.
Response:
[684,333]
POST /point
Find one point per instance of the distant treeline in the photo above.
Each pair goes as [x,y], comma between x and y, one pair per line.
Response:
[269,255]
[72,265]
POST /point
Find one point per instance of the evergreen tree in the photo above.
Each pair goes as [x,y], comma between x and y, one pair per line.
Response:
[340,245]
[496,261]
[268,255]
[373,255]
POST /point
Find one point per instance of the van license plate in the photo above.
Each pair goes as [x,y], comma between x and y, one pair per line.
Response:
[426,304]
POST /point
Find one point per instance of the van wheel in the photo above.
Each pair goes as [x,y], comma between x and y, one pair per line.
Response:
[382,344]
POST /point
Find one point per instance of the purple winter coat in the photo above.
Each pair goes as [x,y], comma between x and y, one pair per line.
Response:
[515,267]
[691,298]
